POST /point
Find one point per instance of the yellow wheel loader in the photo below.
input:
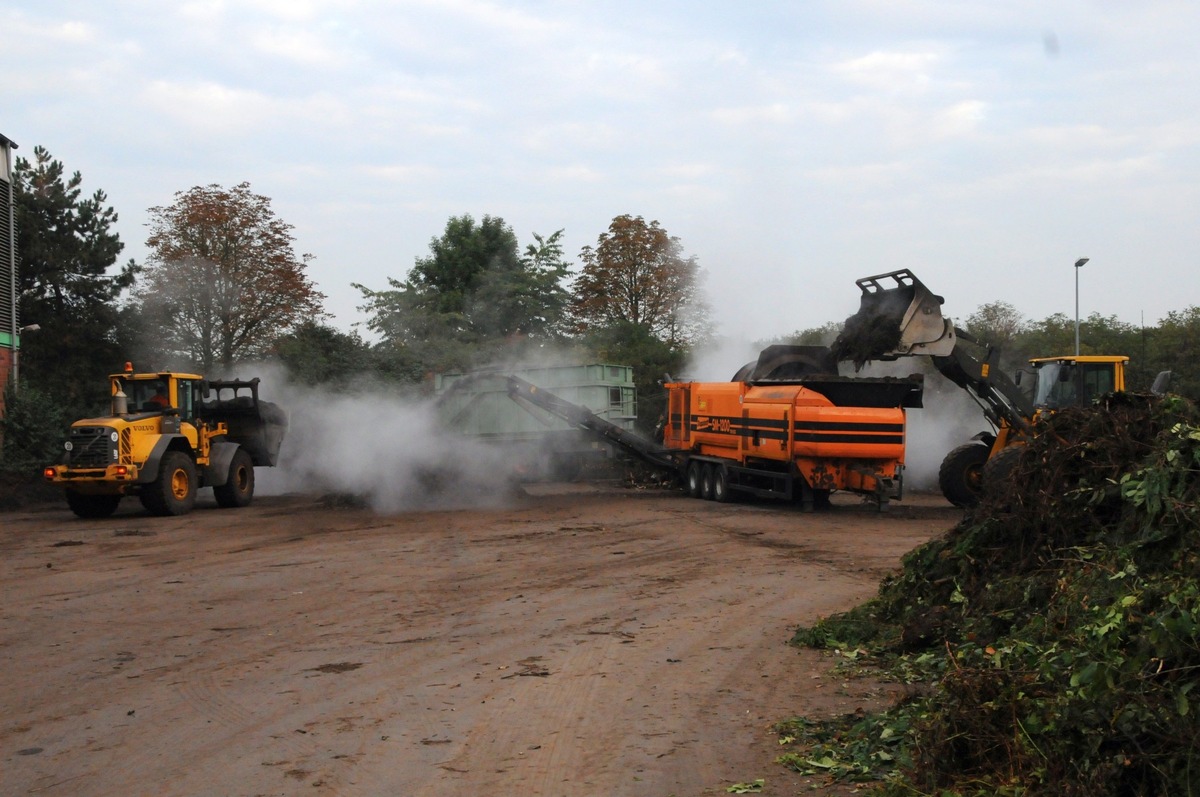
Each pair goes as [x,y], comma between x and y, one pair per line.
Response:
[169,435]
[900,317]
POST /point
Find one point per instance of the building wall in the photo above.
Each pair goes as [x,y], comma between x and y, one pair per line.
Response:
[8,267]
[5,370]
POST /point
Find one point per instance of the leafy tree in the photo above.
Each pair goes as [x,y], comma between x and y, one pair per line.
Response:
[222,280]
[995,324]
[315,353]
[1171,346]
[812,336]
[67,284]
[529,300]
[473,295]
[637,275]
[32,429]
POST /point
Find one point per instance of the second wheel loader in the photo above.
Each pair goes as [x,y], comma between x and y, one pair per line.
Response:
[900,317]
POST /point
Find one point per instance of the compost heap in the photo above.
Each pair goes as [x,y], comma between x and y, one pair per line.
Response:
[1057,628]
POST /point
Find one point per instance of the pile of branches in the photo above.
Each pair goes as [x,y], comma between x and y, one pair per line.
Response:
[1057,626]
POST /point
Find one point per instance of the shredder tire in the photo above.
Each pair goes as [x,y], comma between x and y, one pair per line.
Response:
[693,479]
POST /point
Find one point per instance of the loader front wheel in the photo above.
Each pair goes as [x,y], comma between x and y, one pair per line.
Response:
[92,506]
[173,492]
[1000,467]
[238,489]
[961,474]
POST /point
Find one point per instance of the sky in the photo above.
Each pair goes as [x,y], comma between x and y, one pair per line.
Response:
[792,147]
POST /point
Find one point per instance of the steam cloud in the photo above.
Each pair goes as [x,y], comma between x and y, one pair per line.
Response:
[386,450]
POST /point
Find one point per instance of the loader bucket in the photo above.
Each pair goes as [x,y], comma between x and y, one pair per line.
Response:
[898,317]
[257,426]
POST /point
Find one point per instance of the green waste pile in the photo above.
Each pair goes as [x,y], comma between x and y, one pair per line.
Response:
[1056,630]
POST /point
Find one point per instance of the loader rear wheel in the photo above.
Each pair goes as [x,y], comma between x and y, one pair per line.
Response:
[238,489]
[961,474]
[92,506]
[693,479]
[173,491]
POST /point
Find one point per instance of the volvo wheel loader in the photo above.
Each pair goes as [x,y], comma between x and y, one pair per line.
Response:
[169,435]
[900,317]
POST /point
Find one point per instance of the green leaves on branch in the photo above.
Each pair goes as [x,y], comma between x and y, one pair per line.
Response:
[1058,626]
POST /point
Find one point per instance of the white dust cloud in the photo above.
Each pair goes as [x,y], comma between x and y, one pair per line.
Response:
[385,450]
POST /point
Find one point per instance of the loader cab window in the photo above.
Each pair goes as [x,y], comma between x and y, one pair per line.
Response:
[1067,384]
[148,395]
[187,399]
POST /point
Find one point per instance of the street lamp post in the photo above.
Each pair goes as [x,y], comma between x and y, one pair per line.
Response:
[1078,265]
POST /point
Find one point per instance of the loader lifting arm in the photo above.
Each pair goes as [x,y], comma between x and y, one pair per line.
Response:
[1002,401]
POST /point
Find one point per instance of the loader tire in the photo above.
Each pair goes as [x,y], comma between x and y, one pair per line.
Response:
[961,474]
[92,506]
[999,468]
[173,491]
[238,489]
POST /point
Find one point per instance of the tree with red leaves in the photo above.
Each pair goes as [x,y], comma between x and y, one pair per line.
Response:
[637,275]
[222,280]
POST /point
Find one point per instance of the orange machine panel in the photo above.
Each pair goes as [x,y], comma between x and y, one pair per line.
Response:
[778,422]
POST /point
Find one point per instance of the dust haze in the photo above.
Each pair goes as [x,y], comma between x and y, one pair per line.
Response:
[373,445]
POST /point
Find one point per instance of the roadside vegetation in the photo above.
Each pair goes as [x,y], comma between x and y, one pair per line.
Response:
[1052,639]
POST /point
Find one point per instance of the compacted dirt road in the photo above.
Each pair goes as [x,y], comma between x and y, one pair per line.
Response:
[581,640]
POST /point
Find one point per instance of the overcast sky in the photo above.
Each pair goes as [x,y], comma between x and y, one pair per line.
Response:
[792,146]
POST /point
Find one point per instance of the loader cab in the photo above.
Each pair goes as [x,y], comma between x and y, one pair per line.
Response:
[1076,381]
[159,392]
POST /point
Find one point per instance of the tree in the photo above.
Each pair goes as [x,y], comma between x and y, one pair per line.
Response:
[315,354]
[995,324]
[222,279]
[66,251]
[473,295]
[637,274]
[823,335]
[1171,346]
[529,300]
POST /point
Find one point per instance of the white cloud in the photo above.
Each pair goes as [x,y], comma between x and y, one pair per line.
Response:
[890,71]
[210,107]
[300,46]
[959,119]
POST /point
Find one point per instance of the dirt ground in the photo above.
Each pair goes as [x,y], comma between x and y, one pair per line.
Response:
[582,640]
